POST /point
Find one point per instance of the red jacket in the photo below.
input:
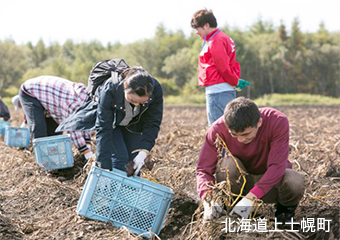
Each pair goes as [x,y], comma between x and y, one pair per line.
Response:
[267,154]
[217,61]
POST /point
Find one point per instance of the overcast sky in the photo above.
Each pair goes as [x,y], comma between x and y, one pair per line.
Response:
[130,20]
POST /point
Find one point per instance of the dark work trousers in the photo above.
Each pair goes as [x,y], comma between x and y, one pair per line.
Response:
[39,125]
[288,191]
[124,142]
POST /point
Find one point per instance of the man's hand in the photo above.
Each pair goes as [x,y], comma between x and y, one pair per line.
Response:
[139,160]
[241,85]
[243,208]
[212,210]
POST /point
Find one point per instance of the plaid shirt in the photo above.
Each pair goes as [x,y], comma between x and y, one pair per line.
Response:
[60,97]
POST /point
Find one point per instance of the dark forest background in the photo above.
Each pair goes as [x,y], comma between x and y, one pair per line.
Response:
[275,59]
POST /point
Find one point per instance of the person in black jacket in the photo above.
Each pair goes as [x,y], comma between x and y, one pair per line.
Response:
[4,112]
[127,115]
[128,119]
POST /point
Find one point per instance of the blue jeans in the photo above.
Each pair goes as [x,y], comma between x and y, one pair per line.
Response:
[39,125]
[216,103]
[124,142]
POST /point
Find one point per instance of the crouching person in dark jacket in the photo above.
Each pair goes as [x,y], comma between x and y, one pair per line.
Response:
[128,115]
[128,119]
[4,112]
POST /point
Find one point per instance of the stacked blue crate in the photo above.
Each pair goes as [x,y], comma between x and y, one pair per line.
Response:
[133,202]
[53,152]
[17,137]
[3,125]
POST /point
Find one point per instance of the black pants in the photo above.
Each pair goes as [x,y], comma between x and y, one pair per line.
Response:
[124,142]
[39,125]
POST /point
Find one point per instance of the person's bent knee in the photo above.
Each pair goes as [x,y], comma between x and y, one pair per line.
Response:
[228,165]
[293,184]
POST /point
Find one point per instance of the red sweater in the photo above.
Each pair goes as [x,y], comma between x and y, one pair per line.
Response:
[267,154]
[217,61]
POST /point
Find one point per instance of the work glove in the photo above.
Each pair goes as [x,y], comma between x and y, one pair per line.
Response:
[88,145]
[212,210]
[241,85]
[242,208]
[138,161]
[91,159]
[88,155]
[24,125]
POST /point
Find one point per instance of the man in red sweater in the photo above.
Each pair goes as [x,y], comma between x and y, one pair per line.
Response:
[259,140]
[218,71]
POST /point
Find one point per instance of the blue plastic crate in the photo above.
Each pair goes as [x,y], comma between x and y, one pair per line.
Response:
[17,137]
[133,202]
[54,152]
[3,125]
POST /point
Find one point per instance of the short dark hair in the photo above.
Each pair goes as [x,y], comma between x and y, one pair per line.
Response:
[138,81]
[241,113]
[203,17]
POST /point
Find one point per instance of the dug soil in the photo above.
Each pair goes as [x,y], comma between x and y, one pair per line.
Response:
[37,205]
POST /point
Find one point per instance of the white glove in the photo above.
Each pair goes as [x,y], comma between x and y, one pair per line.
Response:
[243,208]
[89,155]
[212,210]
[139,161]
[89,146]
[23,125]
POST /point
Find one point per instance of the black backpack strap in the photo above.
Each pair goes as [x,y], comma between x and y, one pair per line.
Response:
[101,72]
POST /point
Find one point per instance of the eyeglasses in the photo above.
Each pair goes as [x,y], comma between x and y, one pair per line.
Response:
[131,98]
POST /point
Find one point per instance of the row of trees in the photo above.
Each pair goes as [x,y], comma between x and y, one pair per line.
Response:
[273,60]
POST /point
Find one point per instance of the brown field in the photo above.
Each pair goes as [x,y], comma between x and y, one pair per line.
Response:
[34,205]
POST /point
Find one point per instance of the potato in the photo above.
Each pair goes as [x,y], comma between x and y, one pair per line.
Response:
[129,169]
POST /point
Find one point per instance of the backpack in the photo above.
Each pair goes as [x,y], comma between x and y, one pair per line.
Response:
[102,71]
